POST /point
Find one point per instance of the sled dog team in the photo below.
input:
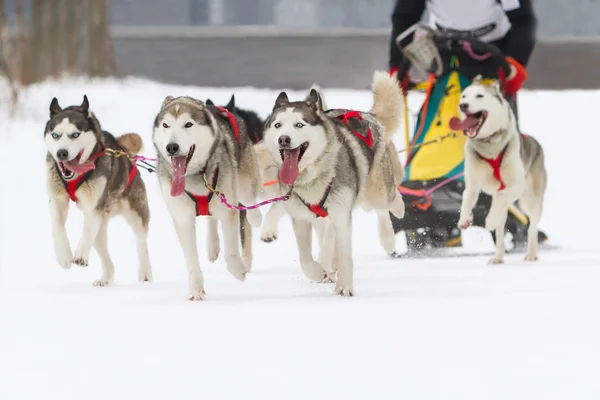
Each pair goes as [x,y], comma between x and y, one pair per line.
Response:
[328,161]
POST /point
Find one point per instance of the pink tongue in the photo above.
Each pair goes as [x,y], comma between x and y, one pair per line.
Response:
[457,125]
[288,173]
[74,166]
[178,172]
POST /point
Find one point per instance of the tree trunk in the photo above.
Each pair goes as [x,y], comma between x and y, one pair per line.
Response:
[35,62]
[22,45]
[73,14]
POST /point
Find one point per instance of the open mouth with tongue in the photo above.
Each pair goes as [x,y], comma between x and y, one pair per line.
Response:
[179,166]
[68,169]
[289,171]
[470,125]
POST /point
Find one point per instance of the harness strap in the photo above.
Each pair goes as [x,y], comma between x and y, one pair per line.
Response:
[318,209]
[356,114]
[495,163]
[232,121]
[203,201]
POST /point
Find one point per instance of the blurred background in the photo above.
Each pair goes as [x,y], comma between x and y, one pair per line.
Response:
[259,43]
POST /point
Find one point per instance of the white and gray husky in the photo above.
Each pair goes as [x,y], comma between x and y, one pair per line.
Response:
[334,160]
[501,162]
[80,168]
[196,141]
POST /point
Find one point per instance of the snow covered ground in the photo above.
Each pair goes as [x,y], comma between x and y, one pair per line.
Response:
[416,329]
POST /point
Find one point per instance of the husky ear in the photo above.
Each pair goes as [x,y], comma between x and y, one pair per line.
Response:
[314,98]
[282,100]
[85,105]
[209,102]
[166,101]
[231,105]
[477,79]
[55,108]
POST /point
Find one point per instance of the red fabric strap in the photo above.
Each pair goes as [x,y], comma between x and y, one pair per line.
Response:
[318,210]
[356,114]
[203,201]
[495,163]
[232,121]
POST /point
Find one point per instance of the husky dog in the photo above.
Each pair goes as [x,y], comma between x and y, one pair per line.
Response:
[254,127]
[501,162]
[80,168]
[196,142]
[333,161]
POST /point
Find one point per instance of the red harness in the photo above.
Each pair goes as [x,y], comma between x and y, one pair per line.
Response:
[318,209]
[495,164]
[74,184]
[356,114]
[202,201]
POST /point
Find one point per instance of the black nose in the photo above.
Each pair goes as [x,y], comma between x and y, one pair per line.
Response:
[172,148]
[284,141]
[62,155]
[464,106]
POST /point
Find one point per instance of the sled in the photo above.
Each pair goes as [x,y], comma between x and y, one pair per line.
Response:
[434,181]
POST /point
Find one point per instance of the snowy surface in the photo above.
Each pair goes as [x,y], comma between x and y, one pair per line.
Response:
[416,329]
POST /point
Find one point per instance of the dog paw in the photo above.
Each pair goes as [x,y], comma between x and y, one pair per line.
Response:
[198,296]
[531,257]
[254,218]
[464,223]
[496,260]
[343,290]
[64,257]
[237,268]
[314,271]
[395,254]
[102,282]
[213,252]
[196,289]
[268,237]
[247,261]
[145,275]
[82,262]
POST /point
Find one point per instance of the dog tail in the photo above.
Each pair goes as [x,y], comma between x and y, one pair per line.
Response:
[387,103]
[132,142]
[316,87]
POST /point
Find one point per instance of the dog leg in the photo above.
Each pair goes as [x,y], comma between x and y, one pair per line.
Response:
[500,221]
[342,227]
[92,220]
[532,206]
[140,231]
[231,231]
[246,239]
[254,216]
[469,199]
[326,247]
[212,239]
[303,233]
[59,209]
[269,231]
[386,232]
[185,227]
[397,208]
[101,246]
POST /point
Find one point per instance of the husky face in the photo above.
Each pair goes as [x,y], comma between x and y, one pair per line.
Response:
[484,111]
[71,137]
[295,135]
[185,134]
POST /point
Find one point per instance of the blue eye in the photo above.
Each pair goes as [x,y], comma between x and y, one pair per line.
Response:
[299,125]
[75,135]
[54,135]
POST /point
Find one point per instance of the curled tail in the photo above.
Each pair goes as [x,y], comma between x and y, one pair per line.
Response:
[387,103]
[132,142]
